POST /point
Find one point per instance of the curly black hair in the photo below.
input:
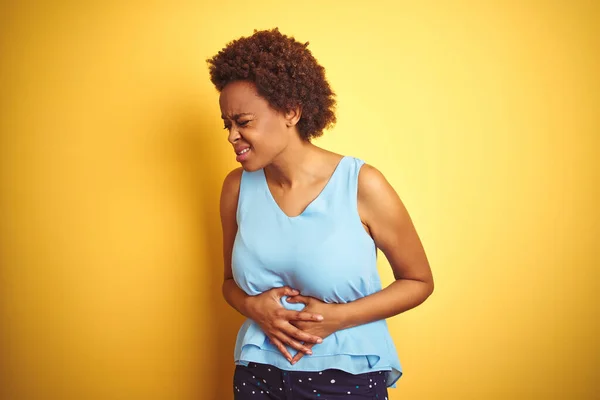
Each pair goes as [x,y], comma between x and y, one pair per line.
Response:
[285,73]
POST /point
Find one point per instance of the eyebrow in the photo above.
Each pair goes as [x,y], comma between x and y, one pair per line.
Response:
[236,116]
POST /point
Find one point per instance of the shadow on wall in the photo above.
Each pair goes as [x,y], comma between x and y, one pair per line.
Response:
[215,322]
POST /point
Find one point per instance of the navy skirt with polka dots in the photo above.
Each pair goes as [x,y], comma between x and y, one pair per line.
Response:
[262,382]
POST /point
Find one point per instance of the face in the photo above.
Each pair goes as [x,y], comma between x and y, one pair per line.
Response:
[257,132]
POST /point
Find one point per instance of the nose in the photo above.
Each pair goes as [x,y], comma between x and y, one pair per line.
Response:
[234,135]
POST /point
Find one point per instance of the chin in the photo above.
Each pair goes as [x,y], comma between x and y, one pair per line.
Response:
[251,167]
[254,164]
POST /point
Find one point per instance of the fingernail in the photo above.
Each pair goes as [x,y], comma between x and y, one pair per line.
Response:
[320,317]
[319,340]
[309,353]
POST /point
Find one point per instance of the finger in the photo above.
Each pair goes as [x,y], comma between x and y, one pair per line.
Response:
[287,291]
[305,337]
[291,315]
[286,339]
[281,348]
[299,355]
[297,358]
[298,299]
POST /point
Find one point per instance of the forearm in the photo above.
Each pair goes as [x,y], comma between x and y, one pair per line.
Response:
[402,295]
[236,297]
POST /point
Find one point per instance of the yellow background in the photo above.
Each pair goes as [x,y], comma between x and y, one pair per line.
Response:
[482,114]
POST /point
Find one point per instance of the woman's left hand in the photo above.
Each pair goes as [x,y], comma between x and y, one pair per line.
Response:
[332,319]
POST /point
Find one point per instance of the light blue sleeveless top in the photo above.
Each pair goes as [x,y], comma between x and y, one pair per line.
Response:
[324,253]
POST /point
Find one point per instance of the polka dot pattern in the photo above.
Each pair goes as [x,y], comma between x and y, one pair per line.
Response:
[266,382]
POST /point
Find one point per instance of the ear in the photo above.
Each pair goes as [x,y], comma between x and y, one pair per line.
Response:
[293,116]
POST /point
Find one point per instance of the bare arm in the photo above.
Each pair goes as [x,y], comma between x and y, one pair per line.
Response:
[392,229]
[228,207]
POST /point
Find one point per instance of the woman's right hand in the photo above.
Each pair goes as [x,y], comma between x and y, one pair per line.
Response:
[267,311]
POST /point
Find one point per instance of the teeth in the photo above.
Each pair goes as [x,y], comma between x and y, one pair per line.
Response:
[243,151]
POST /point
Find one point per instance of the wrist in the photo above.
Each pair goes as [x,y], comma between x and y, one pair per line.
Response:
[345,316]
[248,306]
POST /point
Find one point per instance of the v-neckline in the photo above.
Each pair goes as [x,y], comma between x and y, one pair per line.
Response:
[337,167]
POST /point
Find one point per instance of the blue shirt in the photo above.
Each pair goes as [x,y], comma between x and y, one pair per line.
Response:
[325,253]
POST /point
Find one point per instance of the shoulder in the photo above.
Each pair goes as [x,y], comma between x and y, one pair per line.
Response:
[231,183]
[376,196]
[371,181]
[230,193]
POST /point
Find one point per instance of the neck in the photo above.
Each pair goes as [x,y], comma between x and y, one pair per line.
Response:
[292,166]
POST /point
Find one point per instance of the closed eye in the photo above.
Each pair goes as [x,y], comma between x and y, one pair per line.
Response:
[241,123]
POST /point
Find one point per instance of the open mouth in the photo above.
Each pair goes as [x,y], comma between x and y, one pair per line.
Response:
[242,155]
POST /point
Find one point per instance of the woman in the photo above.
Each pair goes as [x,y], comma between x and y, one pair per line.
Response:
[301,226]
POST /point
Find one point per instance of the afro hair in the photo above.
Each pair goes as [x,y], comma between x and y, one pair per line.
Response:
[284,72]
